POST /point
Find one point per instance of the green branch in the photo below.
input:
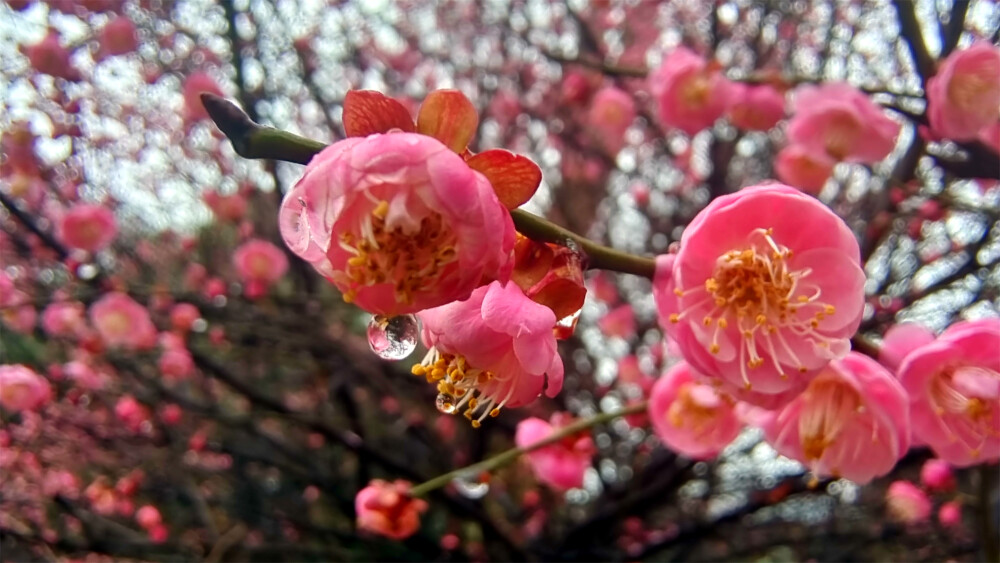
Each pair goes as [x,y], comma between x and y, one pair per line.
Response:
[510,455]
[252,140]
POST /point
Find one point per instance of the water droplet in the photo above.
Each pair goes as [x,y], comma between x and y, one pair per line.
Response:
[470,486]
[393,338]
[445,403]
[86,271]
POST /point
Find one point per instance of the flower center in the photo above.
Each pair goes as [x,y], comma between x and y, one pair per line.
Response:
[460,386]
[696,407]
[972,90]
[412,260]
[829,406]
[968,396]
[696,90]
[753,291]
[841,136]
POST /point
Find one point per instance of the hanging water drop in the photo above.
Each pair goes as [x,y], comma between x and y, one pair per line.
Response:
[445,403]
[393,338]
[470,486]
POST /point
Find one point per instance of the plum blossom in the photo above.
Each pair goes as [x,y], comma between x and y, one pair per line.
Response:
[690,92]
[963,97]
[259,264]
[398,222]
[755,107]
[765,290]
[690,416]
[131,412]
[803,169]
[851,421]
[611,113]
[64,318]
[906,503]
[195,84]
[183,316]
[950,514]
[118,37]
[120,321]
[21,389]
[900,340]
[619,322]
[49,57]
[495,349]
[88,227]
[560,464]
[388,509]
[937,476]
[840,121]
[954,388]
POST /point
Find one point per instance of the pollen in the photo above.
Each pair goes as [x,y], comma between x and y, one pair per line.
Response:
[474,392]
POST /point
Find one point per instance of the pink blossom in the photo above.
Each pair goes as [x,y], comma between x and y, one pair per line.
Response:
[231,207]
[906,503]
[176,363]
[388,509]
[28,188]
[619,322]
[88,227]
[839,120]
[118,37]
[148,516]
[950,514]
[963,97]
[806,170]
[194,85]
[131,412]
[755,108]
[954,387]
[16,310]
[611,113]
[937,476]
[120,321]
[690,92]
[851,421]
[492,350]
[61,482]
[561,464]
[21,389]
[765,290]
[691,417]
[259,263]
[64,318]
[183,316]
[49,57]
[398,222]
[900,340]
[85,376]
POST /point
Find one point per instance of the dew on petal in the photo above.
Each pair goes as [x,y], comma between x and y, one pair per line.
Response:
[445,403]
[393,338]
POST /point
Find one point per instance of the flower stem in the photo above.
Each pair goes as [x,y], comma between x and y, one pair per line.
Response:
[252,140]
[510,455]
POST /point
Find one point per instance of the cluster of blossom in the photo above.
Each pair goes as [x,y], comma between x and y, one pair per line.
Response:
[910,504]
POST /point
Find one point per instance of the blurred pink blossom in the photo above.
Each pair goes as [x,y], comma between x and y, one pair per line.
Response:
[118,37]
[619,322]
[64,318]
[765,290]
[954,388]
[806,170]
[963,97]
[88,227]
[755,107]
[561,464]
[398,222]
[492,350]
[388,509]
[176,363]
[194,85]
[950,514]
[48,56]
[839,120]
[131,413]
[691,417]
[148,516]
[182,316]
[691,93]
[21,389]
[611,113]
[120,321]
[906,503]
[851,421]
[900,340]
[937,476]
[259,264]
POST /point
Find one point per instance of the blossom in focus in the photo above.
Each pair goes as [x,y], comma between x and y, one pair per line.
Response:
[851,421]
[560,464]
[388,509]
[492,350]
[21,389]
[803,169]
[690,416]
[963,97]
[764,291]
[954,389]
[690,92]
[120,321]
[64,318]
[840,121]
[900,340]
[611,113]
[937,476]
[259,264]
[755,107]
[398,222]
[906,503]
[551,275]
[88,227]
[49,57]
[195,84]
